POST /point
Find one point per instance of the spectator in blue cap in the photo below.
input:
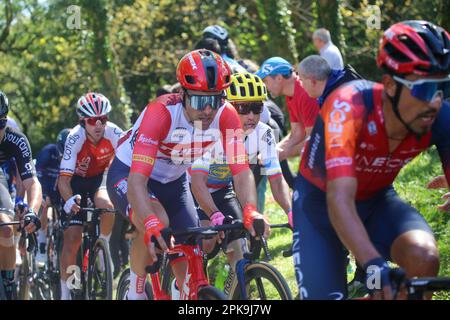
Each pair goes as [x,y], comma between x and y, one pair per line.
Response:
[281,80]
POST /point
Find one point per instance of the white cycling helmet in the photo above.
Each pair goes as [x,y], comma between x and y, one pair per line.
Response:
[93,104]
[217,32]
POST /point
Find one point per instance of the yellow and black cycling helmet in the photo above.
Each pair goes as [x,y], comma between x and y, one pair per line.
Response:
[246,87]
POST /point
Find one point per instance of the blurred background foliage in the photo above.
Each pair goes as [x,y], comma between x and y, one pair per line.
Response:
[53,51]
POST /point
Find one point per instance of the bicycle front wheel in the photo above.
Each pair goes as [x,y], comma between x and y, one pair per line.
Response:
[210,293]
[100,278]
[124,285]
[263,282]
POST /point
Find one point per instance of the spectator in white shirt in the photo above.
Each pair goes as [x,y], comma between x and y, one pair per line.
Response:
[328,51]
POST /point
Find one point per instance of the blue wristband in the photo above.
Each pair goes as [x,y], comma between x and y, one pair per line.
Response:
[18,200]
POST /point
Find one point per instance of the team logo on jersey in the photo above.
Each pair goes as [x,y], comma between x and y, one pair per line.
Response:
[121,187]
[147,140]
[372,127]
[143,158]
[268,137]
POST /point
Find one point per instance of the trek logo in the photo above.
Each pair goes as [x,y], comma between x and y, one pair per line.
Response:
[147,140]
[192,61]
[335,122]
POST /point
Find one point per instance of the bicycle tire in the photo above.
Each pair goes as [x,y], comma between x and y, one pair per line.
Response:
[54,249]
[94,281]
[210,293]
[263,270]
[24,273]
[124,285]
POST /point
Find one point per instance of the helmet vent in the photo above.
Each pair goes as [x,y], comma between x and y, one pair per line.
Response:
[211,77]
[251,88]
[396,54]
[190,79]
[233,89]
[414,47]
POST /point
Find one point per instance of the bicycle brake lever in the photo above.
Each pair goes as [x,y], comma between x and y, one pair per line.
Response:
[166,234]
[32,240]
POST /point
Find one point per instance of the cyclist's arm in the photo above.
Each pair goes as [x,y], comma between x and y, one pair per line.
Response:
[64,186]
[292,144]
[153,129]
[244,185]
[236,156]
[34,193]
[345,220]
[280,191]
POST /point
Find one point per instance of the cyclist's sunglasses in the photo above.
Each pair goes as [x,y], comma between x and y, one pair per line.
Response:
[427,89]
[3,123]
[247,107]
[200,103]
[93,121]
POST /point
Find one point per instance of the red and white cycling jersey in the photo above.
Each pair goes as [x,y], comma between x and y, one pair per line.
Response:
[163,144]
[83,158]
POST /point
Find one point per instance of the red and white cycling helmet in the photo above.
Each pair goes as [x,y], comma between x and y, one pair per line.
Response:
[203,70]
[93,104]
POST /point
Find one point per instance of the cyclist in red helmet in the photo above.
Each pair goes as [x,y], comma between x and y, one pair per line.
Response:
[365,133]
[150,166]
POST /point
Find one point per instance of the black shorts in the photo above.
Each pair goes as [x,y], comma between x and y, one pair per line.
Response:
[226,201]
[5,198]
[87,188]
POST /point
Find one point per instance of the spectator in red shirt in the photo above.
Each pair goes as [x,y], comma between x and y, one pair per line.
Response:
[280,79]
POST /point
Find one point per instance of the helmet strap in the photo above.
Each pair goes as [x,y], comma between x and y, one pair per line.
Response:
[394,103]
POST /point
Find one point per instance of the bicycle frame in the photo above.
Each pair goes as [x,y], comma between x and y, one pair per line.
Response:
[194,279]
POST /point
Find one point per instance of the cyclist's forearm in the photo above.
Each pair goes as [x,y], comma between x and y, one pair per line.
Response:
[244,185]
[202,195]
[64,187]
[34,193]
[280,191]
[349,228]
[138,195]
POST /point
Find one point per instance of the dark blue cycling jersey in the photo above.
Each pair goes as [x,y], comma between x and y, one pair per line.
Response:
[47,168]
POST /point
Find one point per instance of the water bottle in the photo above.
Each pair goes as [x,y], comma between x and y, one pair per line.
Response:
[221,276]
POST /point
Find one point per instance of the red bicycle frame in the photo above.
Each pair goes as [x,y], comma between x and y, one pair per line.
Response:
[194,279]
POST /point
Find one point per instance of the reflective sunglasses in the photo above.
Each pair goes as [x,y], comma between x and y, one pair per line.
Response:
[200,103]
[93,121]
[247,107]
[427,89]
[3,123]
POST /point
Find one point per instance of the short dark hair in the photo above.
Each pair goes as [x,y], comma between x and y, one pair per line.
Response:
[209,44]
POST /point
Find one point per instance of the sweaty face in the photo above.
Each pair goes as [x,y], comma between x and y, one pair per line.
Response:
[195,114]
[418,114]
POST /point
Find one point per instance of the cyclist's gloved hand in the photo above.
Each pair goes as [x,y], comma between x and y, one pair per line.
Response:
[72,204]
[20,206]
[250,215]
[153,227]
[31,221]
[216,219]
[378,280]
